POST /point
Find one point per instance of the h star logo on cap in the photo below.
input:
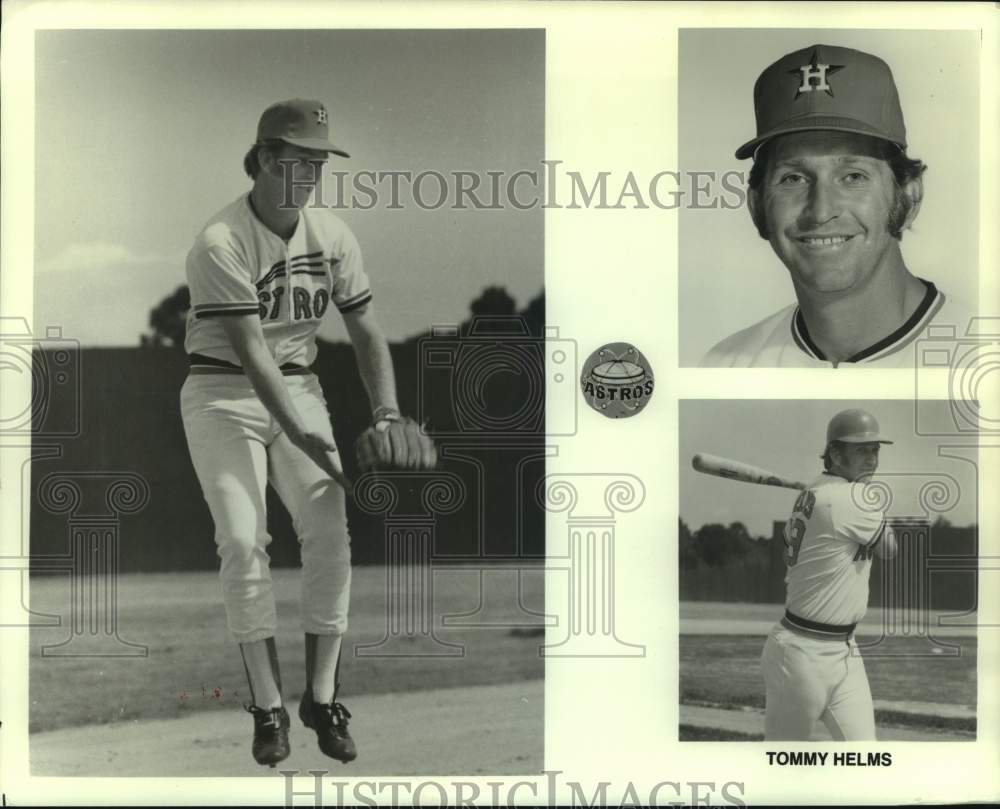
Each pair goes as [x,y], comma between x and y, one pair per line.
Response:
[814,76]
[320,115]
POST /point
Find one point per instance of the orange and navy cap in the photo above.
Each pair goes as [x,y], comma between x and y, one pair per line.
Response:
[300,123]
[826,87]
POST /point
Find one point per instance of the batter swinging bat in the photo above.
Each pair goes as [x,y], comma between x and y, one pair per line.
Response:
[735,470]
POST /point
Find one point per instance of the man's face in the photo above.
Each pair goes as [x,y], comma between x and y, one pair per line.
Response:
[827,198]
[299,170]
[856,461]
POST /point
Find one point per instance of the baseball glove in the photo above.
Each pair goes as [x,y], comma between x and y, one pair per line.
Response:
[399,445]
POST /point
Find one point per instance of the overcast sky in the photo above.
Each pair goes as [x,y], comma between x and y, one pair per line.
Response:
[140,137]
[788,436]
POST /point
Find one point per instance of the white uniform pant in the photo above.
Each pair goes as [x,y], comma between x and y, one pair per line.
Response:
[236,448]
[810,678]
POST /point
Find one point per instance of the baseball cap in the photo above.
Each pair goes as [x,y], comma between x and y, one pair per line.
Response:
[854,427]
[300,123]
[826,87]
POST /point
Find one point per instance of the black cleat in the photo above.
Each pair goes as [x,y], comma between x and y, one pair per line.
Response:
[270,734]
[330,723]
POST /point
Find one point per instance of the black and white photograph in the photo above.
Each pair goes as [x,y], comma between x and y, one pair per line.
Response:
[282,287]
[828,571]
[357,445]
[840,215]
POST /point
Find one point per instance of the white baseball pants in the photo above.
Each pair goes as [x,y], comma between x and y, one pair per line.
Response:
[236,448]
[810,678]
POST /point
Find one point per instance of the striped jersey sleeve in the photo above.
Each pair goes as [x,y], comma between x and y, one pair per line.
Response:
[220,282]
[878,535]
[854,521]
[351,289]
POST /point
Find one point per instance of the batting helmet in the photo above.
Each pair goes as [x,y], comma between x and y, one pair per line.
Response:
[854,427]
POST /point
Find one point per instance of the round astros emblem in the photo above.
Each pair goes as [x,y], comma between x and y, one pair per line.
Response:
[617,380]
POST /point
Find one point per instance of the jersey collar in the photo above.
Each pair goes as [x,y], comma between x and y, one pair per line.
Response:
[932,301]
[255,217]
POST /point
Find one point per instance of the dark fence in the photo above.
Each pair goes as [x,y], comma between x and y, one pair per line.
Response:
[116,412]
[934,569]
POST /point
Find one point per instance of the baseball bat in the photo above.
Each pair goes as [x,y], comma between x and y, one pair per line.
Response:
[736,470]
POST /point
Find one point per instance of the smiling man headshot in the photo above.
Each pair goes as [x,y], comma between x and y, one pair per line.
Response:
[832,190]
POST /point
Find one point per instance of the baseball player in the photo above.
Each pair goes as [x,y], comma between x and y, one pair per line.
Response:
[812,669]
[262,273]
[832,189]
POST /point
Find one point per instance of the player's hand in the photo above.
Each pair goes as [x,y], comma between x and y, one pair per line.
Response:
[325,455]
[396,444]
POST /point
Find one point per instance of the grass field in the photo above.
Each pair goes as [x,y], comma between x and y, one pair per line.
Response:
[193,665]
[724,671]
[693,733]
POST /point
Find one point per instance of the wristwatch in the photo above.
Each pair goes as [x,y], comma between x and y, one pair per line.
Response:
[382,417]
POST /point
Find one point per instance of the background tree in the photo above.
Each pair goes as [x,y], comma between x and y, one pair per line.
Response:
[495,301]
[688,547]
[168,320]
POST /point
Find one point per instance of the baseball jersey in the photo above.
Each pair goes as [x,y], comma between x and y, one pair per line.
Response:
[829,541]
[239,266]
[783,341]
